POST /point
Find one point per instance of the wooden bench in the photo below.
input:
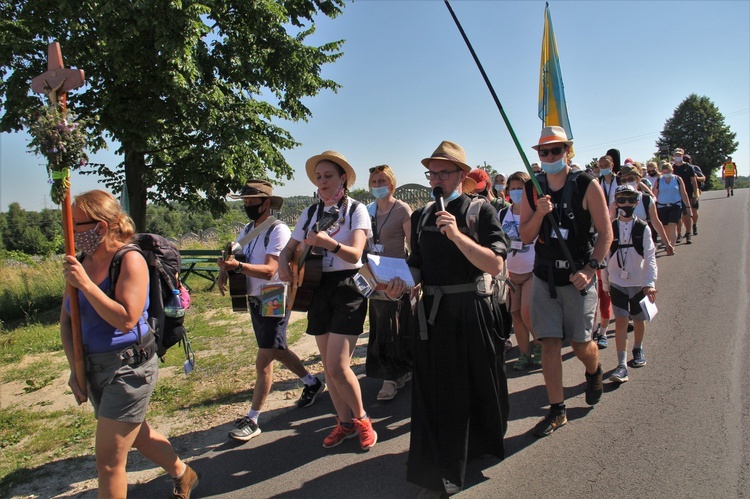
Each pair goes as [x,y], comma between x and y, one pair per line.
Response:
[201,262]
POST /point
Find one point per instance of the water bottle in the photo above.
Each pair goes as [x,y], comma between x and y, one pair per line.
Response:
[173,308]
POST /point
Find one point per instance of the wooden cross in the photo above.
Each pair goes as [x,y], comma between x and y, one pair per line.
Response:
[55,83]
[58,80]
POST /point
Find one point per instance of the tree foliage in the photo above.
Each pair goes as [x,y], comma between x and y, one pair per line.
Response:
[698,127]
[192,91]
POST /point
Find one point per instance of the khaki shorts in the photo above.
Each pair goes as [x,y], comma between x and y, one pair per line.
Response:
[118,392]
[520,281]
[570,316]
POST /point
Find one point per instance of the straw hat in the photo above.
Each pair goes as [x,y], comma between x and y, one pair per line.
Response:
[259,189]
[469,185]
[333,157]
[449,151]
[553,135]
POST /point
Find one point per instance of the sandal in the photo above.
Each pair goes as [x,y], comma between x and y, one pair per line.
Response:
[388,391]
[401,382]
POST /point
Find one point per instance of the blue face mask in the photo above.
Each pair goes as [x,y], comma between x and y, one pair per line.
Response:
[605,171]
[450,198]
[554,167]
[500,188]
[381,192]
[516,195]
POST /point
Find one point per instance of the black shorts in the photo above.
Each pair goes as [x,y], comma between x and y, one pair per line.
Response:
[337,306]
[270,332]
[669,214]
[729,182]
[695,203]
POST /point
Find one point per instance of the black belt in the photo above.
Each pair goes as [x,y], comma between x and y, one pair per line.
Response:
[133,355]
[438,292]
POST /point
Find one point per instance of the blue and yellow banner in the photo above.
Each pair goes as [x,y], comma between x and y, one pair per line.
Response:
[552,108]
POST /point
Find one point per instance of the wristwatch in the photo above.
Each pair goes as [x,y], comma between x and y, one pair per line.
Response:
[596,265]
[238,269]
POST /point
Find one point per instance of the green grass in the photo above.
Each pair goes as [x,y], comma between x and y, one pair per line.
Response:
[223,342]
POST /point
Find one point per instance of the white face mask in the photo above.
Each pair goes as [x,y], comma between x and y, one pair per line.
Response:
[678,159]
[500,188]
[634,185]
[666,175]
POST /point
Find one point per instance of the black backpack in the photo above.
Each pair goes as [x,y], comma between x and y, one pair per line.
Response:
[163,259]
[639,227]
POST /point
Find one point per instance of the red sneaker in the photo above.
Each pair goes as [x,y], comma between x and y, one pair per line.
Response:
[339,434]
[367,436]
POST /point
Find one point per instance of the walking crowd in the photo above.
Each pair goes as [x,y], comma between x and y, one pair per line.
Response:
[553,256]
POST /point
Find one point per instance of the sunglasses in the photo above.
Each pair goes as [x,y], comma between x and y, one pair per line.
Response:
[626,200]
[554,150]
[378,168]
[629,179]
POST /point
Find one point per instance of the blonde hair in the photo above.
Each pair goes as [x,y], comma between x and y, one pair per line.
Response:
[103,207]
[385,170]
[606,159]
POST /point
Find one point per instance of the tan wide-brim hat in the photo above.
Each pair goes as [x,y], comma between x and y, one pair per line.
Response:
[333,157]
[259,189]
[553,135]
[449,151]
[469,185]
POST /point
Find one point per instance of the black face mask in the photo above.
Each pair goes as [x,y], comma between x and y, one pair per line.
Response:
[652,173]
[254,212]
[626,210]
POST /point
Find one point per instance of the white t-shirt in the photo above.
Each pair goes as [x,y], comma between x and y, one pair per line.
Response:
[340,232]
[255,252]
[520,261]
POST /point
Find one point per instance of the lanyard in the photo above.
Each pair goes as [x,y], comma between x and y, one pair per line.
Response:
[376,232]
[622,253]
[607,191]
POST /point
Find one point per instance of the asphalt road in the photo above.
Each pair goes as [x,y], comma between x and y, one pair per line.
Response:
[678,428]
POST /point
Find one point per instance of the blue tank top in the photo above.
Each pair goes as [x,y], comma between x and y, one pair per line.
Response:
[99,335]
[669,193]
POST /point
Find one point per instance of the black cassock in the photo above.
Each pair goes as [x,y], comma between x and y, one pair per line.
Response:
[460,392]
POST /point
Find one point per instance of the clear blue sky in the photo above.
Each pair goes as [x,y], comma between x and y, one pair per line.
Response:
[409,82]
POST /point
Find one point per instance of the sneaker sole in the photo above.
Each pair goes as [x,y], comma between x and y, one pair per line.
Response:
[312,400]
[368,447]
[351,435]
[633,364]
[617,379]
[245,438]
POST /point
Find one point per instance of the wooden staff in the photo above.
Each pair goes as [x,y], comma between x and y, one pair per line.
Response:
[55,83]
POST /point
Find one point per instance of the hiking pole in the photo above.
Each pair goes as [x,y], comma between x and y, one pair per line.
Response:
[550,216]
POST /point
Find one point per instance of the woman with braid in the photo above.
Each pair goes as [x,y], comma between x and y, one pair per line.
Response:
[337,310]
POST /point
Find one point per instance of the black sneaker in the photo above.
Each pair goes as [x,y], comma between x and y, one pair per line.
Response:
[550,423]
[310,393]
[695,230]
[594,387]
[679,236]
[245,429]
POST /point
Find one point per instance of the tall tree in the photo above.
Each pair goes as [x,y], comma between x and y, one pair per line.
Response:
[698,127]
[191,90]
